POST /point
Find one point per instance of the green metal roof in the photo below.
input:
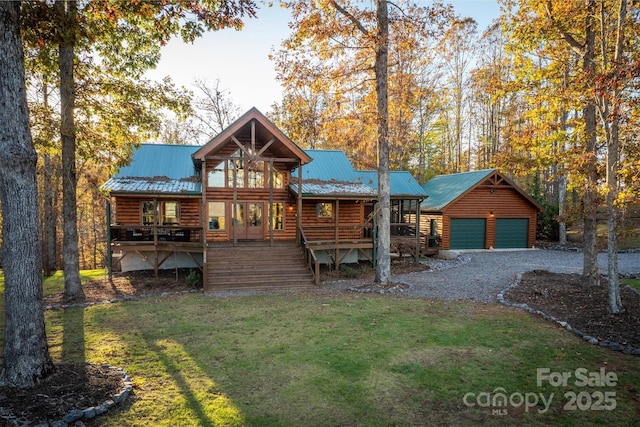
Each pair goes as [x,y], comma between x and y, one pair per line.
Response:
[160,169]
[330,173]
[444,189]
[401,183]
[169,169]
[328,165]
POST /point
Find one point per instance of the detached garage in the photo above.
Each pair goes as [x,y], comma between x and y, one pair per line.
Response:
[479,210]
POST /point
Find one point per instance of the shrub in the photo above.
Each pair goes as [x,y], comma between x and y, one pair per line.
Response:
[193,279]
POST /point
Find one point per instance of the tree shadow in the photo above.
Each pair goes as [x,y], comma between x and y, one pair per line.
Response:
[174,370]
[73,339]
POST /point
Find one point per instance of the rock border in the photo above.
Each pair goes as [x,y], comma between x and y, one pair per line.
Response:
[396,289]
[612,345]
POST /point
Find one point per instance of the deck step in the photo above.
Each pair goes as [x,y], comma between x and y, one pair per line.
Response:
[257,267]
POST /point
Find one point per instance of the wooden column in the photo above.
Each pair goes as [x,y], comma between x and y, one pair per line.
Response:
[336,235]
[155,236]
[109,254]
[299,205]
[235,201]
[270,219]
[204,223]
[418,230]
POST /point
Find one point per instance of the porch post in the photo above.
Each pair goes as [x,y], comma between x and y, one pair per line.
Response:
[271,201]
[156,220]
[204,222]
[375,234]
[336,234]
[299,205]
[109,254]
[418,234]
[235,202]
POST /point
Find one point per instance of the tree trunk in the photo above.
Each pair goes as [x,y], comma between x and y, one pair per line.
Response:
[383,256]
[611,122]
[48,217]
[562,198]
[72,286]
[589,231]
[26,356]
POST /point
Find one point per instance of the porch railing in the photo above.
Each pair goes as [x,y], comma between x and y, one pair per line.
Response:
[157,234]
[337,234]
[310,258]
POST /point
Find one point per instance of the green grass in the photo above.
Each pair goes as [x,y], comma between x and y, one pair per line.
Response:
[634,283]
[302,359]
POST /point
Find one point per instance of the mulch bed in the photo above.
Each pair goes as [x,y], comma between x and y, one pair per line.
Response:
[71,386]
[568,298]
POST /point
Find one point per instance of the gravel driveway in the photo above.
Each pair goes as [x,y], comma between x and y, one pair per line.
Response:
[481,275]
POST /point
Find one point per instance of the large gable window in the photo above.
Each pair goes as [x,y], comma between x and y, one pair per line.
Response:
[278,179]
[238,172]
[256,174]
[215,178]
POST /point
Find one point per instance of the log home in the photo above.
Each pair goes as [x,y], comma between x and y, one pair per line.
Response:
[250,209]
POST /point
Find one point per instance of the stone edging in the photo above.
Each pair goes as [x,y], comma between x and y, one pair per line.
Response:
[591,340]
[374,290]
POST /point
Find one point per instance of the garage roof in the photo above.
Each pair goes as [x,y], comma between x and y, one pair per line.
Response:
[444,189]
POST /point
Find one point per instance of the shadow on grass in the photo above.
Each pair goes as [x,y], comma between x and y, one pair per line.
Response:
[174,370]
[73,337]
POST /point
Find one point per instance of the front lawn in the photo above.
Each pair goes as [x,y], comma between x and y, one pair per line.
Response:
[634,283]
[309,359]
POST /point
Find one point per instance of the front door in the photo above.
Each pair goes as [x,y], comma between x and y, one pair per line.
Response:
[247,220]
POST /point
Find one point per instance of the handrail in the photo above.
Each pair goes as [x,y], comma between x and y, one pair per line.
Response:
[155,233]
[310,255]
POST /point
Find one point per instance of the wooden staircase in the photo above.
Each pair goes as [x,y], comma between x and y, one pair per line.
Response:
[257,266]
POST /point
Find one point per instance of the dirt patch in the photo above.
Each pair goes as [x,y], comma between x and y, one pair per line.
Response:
[130,285]
[365,273]
[568,298]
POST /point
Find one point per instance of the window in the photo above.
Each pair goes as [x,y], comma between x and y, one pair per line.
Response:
[324,210]
[216,176]
[255,215]
[256,174]
[235,171]
[278,179]
[170,213]
[148,213]
[277,216]
[216,216]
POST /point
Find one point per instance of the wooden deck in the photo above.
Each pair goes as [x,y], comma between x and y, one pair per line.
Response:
[257,266]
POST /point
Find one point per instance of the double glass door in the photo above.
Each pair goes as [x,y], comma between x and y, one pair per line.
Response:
[248,220]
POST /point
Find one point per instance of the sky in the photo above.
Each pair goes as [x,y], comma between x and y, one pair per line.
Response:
[240,59]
